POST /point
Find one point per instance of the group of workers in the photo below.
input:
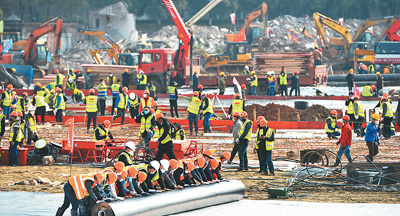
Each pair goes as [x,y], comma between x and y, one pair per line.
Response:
[369,90]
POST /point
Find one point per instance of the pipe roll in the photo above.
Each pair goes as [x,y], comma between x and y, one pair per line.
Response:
[176,201]
[363,77]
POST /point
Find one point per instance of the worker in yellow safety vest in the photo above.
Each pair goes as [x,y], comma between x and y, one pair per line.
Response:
[31,126]
[253,83]
[121,105]
[59,79]
[78,96]
[43,92]
[126,155]
[59,105]
[265,139]
[40,105]
[147,124]
[15,139]
[154,109]
[283,80]
[115,90]
[111,79]
[2,124]
[244,140]
[387,114]
[71,80]
[142,80]
[367,91]
[237,105]
[331,128]
[102,132]
[207,110]
[359,115]
[173,98]
[133,104]
[6,100]
[164,141]
[102,96]
[193,109]
[23,103]
[350,108]
[92,107]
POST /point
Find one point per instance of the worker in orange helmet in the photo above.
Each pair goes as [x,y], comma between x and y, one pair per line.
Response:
[133,181]
[92,108]
[122,104]
[78,191]
[264,142]
[243,89]
[199,164]
[237,105]
[15,138]
[331,127]
[146,100]
[173,166]
[6,100]
[22,103]
[216,170]
[345,141]
[102,132]
[235,132]
[165,144]
[294,83]
[244,140]
[59,105]
[154,106]
[193,109]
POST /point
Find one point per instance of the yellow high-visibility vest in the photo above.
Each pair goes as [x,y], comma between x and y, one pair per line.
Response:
[115,88]
[60,79]
[167,138]
[333,124]
[258,134]
[360,109]
[248,135]
[367,91]
[123,101]
[254,82]
[237,106]
[209,109]
[194,105]
[91,104]
[143,102]
[128,157]
[7,99]
[102,132]
[350,108]
[32,124]
[283,79]
[269,145]
[12,131]
[145,123]
[39,101]
[62,102]
[389,111]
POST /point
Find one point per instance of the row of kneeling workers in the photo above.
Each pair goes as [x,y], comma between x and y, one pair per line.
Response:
[120,181]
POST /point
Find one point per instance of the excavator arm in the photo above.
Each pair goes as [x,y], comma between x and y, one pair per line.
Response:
[96,55]
[103,36]
[374,22]
[391,33]
[262,10]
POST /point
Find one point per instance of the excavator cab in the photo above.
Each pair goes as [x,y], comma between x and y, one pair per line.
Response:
[357,45]
[235,49]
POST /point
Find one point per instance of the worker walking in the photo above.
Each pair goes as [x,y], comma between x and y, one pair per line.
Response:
[122,103]
[102,132]
[244,140]
[345,141]
[237,105]
[235,129]
[207,110]
[350,80]
[196,81]
[350,108]
[266,137]
[102,96]
[193,110]
[283,83]
[294,83]
[6,100]
[253,83]
[173,98]
[15,139]
[31,126]
[147,124]
[116,89]
[379,83]
[367,91]
[387,114]
[165,144]
[92,107]
[59,105]
[331,128]
[71,80]
[133,104]
[78,96]
[271,81]
[59,79]
[359,116]
[372,136]
[221,83]
[142,80]
[38,102]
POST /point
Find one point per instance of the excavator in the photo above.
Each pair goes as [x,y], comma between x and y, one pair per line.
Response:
[363,35]
[113,50]
[35,53]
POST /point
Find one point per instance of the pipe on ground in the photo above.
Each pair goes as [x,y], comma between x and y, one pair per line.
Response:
[175,201]
[363,77]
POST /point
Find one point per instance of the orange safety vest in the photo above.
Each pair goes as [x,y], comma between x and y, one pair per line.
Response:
[78,184]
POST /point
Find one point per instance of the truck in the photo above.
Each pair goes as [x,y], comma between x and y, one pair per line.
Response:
[387,53]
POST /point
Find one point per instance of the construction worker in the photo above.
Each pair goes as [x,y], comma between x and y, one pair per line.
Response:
[253,83]
[51,86]
[6,100]
[235,129]
[37,88]
[71,80]
[78,191]
[193,110]
[78,96]
[196,81]
[200,90]
[317,56]
[133,104]
[283,83]
[331,128]
[244,140]
[260,151]
[350,108]
[116,89]
[173,98]
[88,79]
[246,70]
[152,90]
[266,137]
[146,100]
[372,136]
[49,99]
[15,139]
[126,155]
[165,144]
[122,103]
[371,68]
[111,79]
[207,110]
[31,126]
[59,105]
[237,105]
[59,79]
[154,106]
[2,123]
[387,114]
[379,82]
[23,103]
[43,92]
[22,125]
[350,80]
[359,115]
[102,132]
[102,96]
[221,83]
[392,68]
[271,84]
[125,78]
[345,140]
[147,124]
[294,83]
[38,102]
[142,80]
[179,132]
[367,91]
[243,89]
[92,107]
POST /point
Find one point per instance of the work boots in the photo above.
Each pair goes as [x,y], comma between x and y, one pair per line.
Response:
[60,212]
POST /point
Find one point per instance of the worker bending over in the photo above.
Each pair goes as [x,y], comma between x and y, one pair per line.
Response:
[78,96]
[102,132]
[126,155]
[331,128]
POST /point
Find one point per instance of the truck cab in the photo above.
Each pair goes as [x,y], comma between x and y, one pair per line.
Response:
[387,53]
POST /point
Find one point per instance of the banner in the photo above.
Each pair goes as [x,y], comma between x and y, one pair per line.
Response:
[238,86]
[70,143]
[7,46]
[241,36]
[233,18]
[355,91]
[341,21]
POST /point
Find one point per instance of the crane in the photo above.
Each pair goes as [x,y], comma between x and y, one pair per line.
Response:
[391,33]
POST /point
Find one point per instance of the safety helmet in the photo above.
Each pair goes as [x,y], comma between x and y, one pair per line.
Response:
[107,123]
[92,91]
[208,152]
[375,116]
[142,177]
[201,161]
[196,72]
[334,112]
[125,89]
[243,86]
[19,113]
[132,95]
[378,73]
[320,49]
[173,163]
[259,118]
[351,70]
[214,164]
[236,114]
[222,74]
[159,115]
[226,155]
[200,86]
[155,164]
[43,88]
[131,145]
[126,70]
[119,166]
[252,73]
[13,70]
[25,94]
[132,171]
[196,93]
[154,103]
[14,114]
[77,71]
[76,91]
[346,117]
[58,89]
[263,123]
[296,72]
[10,86]
[237,95]
[38,84]
[52,91]
[56,71]
[190,166]
[88,70]
[124,174]
[164,163]
[141,71]
[99,177]
[385,95]
[72,70]
[356,97]
[372,62]
[112,177]
[243,114]
[146,92]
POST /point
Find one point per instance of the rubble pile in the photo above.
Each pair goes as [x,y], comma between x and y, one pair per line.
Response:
[315,112]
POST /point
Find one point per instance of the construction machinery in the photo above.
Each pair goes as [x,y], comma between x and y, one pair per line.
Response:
[113,50]
[387,53]
[234,59]
[391,33]
[363,35]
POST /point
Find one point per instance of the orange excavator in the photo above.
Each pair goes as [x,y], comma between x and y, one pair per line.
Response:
[35,53]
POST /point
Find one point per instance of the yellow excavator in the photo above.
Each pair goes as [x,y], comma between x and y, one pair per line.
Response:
[363,35]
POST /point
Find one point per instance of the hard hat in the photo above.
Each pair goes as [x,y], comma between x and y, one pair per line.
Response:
[10,86]
[385,95]
[190,166]
[246,67]
[132,171]
[375,116]
[196,93]
[58,89]
[237,95]
[126,70]
[155,164]
[99,177]
[77,71]
[259,118]
[263,123]
[208,152]
[200,86]
[112,177]
[291,30]
[243,86]
[146,92]
[141,71]
[159,115]
[316,46]
[214,164]
[38,84]
[13,70]
[132,95]
[125,89]
[52,91]
[356,97]
[378,73]
[72,70]
[296,72]
[131,145]
[173,163]
[91,91]
[195,72]
[334,112]
[201,161]
[19,113]
[351,71]
[107,123]
[56,71]
[346,117]
[226,155]
[236,114]
[31,108]
[154,103]
[43,88]
[252,72]
[76,91]
[14,114]
[243,114]
[124,174]
[222,74]
[25,94]
[88,70]
[119,166]
[164,163]
[320,49]
[372,62]
[142,177]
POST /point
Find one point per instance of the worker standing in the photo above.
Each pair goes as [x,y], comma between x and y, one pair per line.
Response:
[146,100]
[271,81]
[372,136]
[111,79]
[147,124]
[6,100]
[244,140]
[196,81]
[92,107]
[122,103]
[173,98]
[317,56]
[246,70]
[243,89]
[59,79]
[2,123]
[359,115]
[102,96]
[38,102]
[15,139]
[237,105]
[392,69]
[59,105]
[23,103]
[51,86]
[207,110]
[222,83]
[371,68]
[266,136]
[283,83]
[152,89]
[43,92]
[78,96]
[88,79]
[142,80]
[235,129]
[350,108]
[367,91]
[125,78]
[379,83]
[116,89]
[165,144]
[253,83]
[345,140]
[102,132]
[387,114]
[133,104]
[294,83]
[260,151]
[350,80]
[193,110]
[71,80]
[331,128]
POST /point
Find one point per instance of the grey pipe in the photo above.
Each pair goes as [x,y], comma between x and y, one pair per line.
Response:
[363,77]
[360,85]
[175,201]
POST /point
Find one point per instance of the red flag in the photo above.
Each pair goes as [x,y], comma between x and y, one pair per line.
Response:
[355,91]
[241,36]
[70,144]
[233,18]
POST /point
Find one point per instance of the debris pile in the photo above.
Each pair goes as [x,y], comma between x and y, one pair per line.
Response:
[315,112]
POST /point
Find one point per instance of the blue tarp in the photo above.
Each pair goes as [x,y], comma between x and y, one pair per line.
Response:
[23,70]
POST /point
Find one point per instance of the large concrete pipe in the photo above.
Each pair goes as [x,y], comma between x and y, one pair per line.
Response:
[175,201]
[364,77]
